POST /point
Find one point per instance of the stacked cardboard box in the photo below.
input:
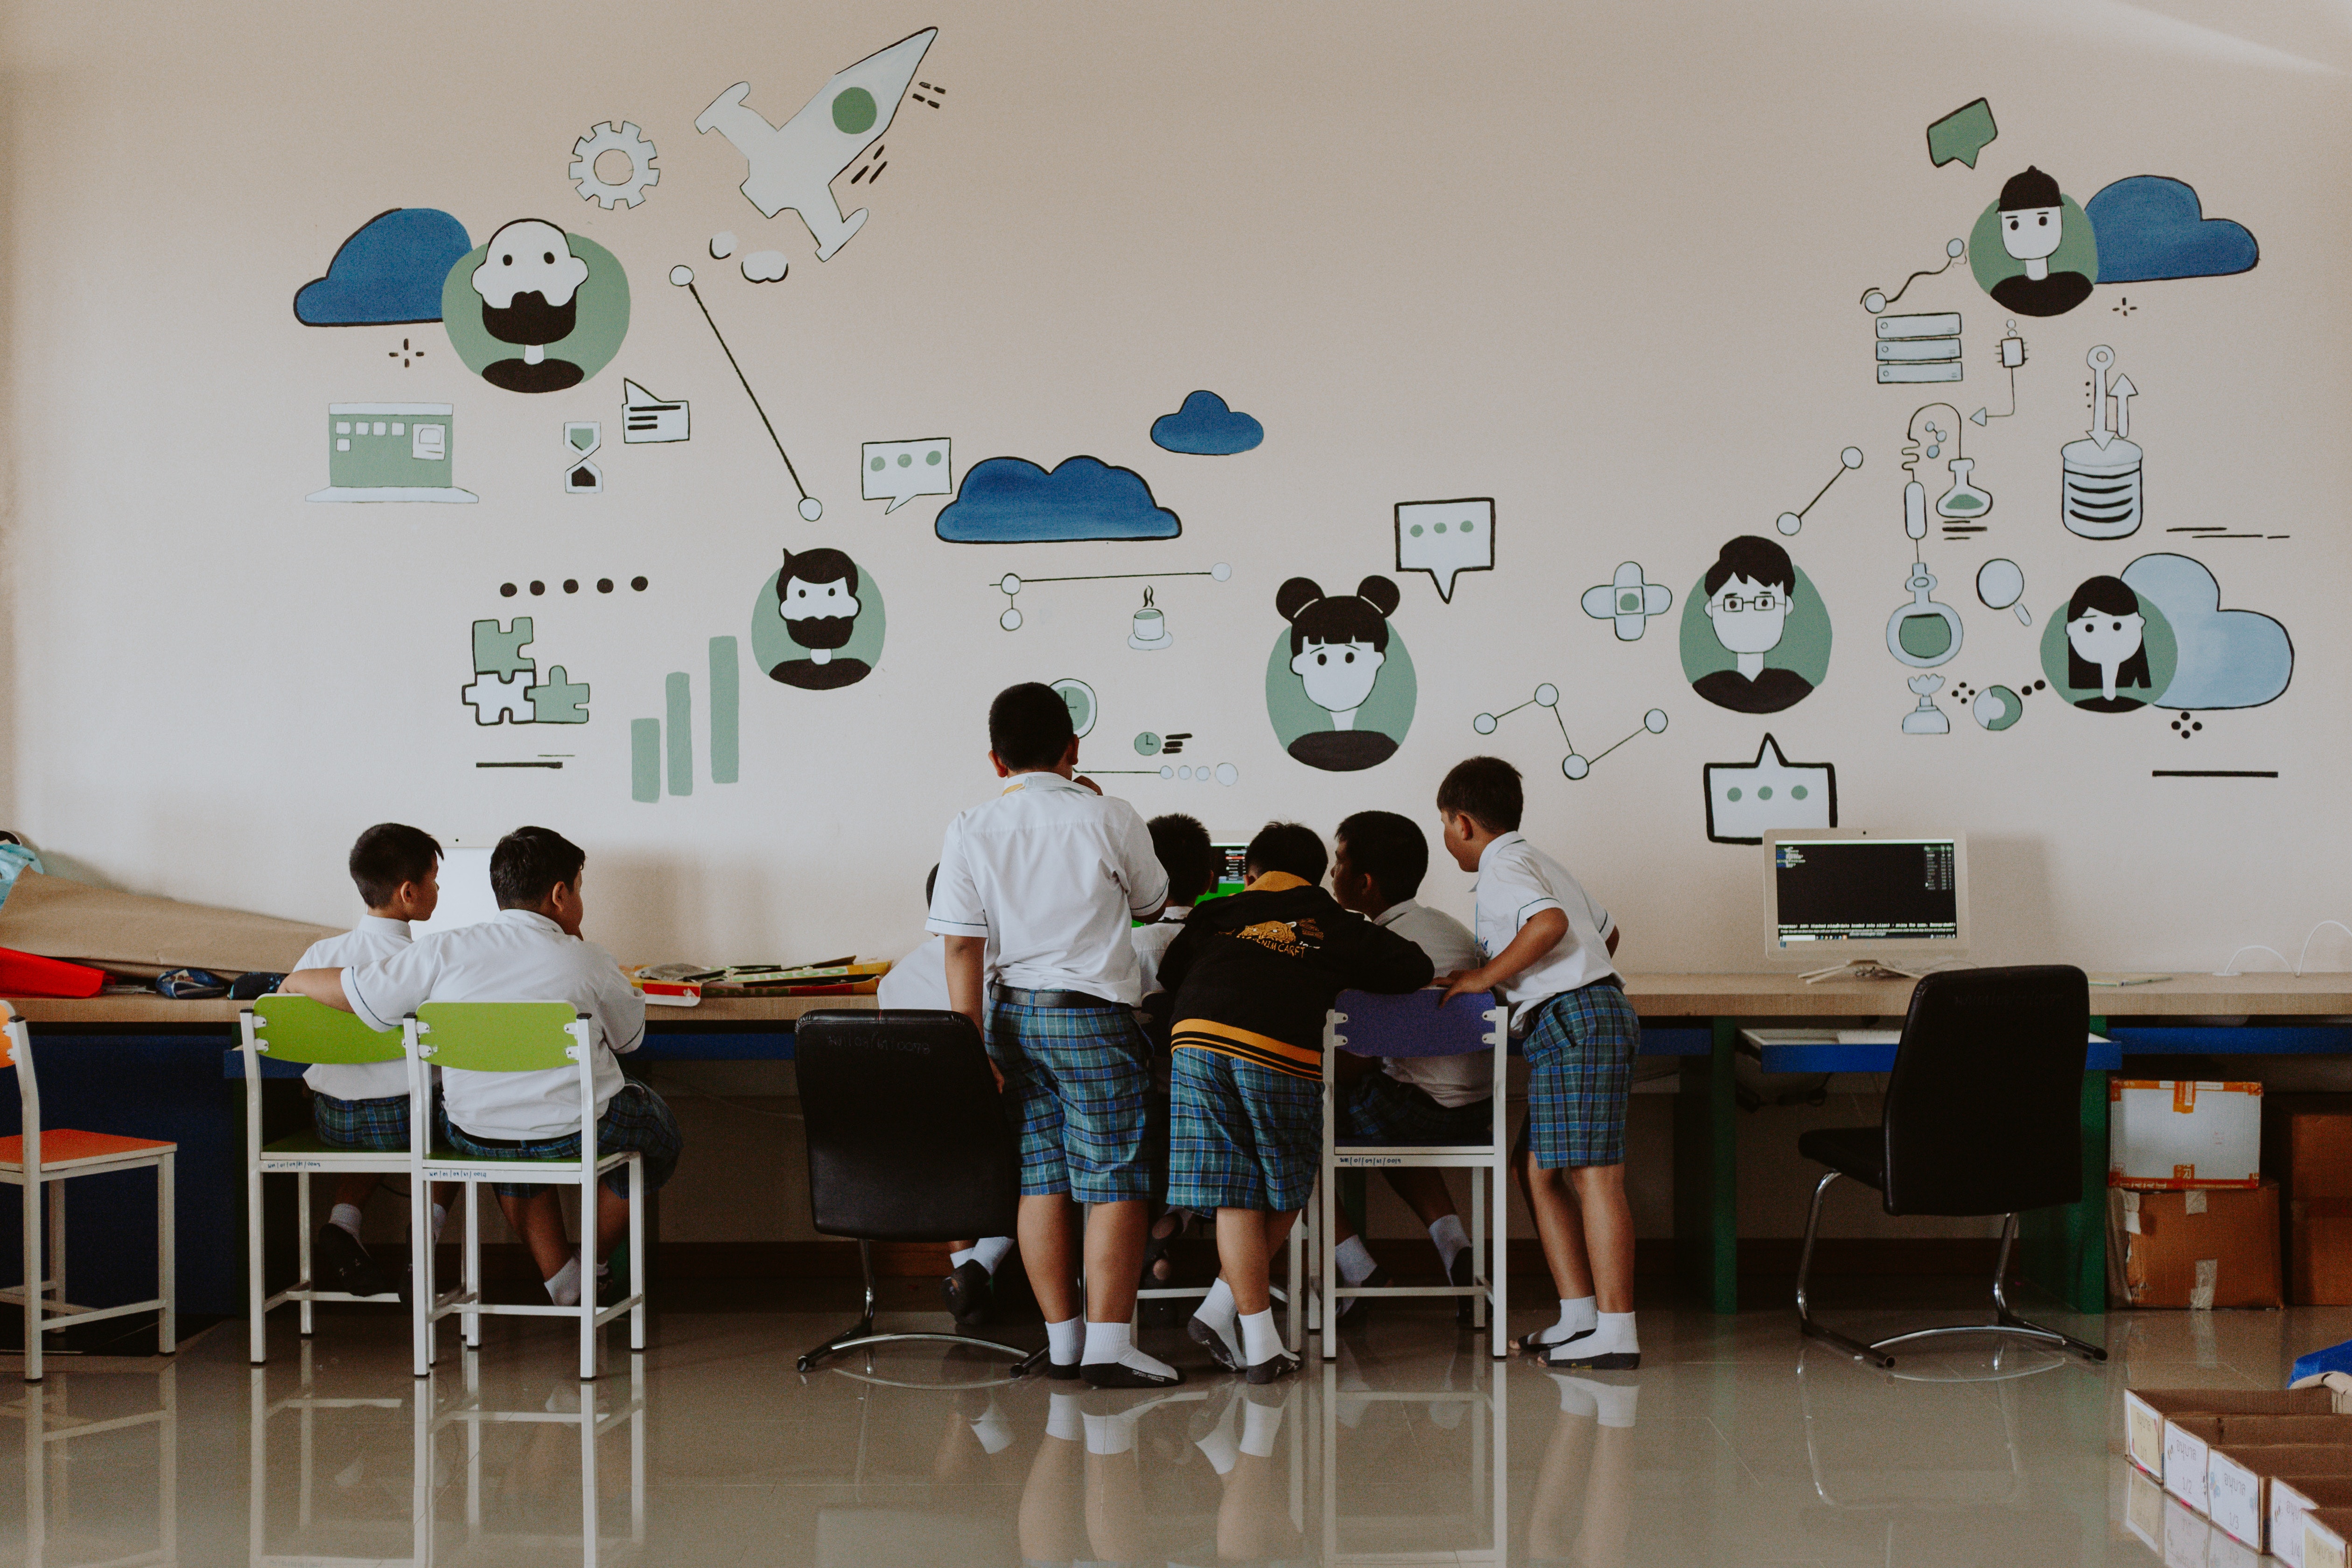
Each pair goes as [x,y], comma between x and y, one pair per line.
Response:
[2270,1469]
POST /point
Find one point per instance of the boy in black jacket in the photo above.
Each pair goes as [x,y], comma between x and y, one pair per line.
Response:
[1253,975]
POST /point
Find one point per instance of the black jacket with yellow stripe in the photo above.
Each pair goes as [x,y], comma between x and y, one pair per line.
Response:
[1254,973]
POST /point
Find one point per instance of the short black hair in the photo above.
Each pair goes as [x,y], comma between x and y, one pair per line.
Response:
[529,862]
[387,855]
[1314,616]
[817,566]
[1389,848]
[1289,846]
[931,883]
[1029,726]
[1186,855]
[1759,560]
[2028,190]
[1486,791]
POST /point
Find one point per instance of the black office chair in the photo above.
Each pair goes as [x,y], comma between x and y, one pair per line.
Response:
[907,1141]
[1982,1116]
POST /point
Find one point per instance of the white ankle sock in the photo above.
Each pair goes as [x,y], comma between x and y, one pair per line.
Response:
[1219,1448]
[991,1251]
[992,1431]
[1450,1239]
[1615,1403]
[961,1255]
[1065,1340]
[564,1288]
[1063,1417]
[440,1217]
[1614,1332]
[1576,1317]
[1575,1396]
[1109,1434]
[1259,1426]
[1114,1342]
[348,1216]
[1261,1340]
[1355,1261]
[1217,1310]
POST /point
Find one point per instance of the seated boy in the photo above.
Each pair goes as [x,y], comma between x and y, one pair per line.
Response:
[1548,948]
[1184,852]
[1376,869]
[364,1105]
[1253,975]
[920,980]
[531,951]
[1044,882]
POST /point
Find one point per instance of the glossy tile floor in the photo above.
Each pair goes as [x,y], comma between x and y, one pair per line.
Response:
[1731,1446]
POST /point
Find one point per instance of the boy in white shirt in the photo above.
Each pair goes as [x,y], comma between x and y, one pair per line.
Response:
[1548,948]
[1044,882]
[1376,869]
[1183,848]
[532,951]
[364,1105]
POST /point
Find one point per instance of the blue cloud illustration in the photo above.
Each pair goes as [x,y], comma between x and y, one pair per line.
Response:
[1206,427]
[1012,501]
[388,273]
[2229,658]
[2150,227]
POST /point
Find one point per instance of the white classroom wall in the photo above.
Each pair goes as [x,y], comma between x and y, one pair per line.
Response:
[1599,263]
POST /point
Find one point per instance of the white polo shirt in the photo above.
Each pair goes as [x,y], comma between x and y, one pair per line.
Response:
[1516,882]
[1152,943]
[517,955]
[1056,875]
[1450,1080]
[375,937]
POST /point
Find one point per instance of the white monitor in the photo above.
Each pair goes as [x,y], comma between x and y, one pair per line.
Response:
[1833,896]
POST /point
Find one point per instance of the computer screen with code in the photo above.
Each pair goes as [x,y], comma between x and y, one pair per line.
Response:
[1857,890]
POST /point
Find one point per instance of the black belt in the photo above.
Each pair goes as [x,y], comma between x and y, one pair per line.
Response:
[1048,998]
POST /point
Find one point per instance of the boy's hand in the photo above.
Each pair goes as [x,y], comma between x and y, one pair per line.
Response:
[1462,983]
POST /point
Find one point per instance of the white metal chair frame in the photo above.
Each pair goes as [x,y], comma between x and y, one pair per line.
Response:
[44,1315]
[1489,1296]
[1489,1448]
[447,1165]
[593,1423]
[1295,1295]
[38,1435]
[307,1403]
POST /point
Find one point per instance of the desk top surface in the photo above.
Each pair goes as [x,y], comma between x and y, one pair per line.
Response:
[1654,996]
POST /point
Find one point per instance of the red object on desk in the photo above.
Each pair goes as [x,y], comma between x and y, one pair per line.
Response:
[30,975]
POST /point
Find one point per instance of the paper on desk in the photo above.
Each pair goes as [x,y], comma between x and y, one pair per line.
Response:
[134,934]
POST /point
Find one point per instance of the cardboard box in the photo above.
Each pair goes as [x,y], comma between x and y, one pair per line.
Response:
[2145,1410]
[2312,1151]
[2291,1497]
[2328,1538]
[2198,1248]
[2238,1478]
[2165,1135]
[2190,1442]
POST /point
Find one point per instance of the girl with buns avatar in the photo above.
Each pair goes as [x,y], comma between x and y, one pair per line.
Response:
[1339,643]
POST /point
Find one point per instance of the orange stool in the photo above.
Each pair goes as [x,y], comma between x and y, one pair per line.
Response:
[50,1158]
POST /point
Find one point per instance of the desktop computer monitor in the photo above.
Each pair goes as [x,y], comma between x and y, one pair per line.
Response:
[1831,896]
[1232,875]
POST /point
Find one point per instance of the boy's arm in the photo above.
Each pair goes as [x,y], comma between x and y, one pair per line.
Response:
[967,967]
[1387,962]
[1542,932]
[1178,960]
[1146,879]
[320,986]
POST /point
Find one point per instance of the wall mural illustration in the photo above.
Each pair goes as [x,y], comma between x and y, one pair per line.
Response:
[2034,250]
[1339,686]
[1206,427]
[1012,501]
[606,146]
[536,310]
[388,273]
[1444,538]
[1755,635]
[1745,801]
[818,622]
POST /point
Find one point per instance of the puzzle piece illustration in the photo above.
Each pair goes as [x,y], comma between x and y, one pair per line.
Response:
[500,699]
[559,701]
[500,653]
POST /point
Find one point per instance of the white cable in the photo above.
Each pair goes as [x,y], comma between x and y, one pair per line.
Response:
[2249,947]
[2339,925]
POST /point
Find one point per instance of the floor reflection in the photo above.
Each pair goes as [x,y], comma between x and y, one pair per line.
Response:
[102,1466]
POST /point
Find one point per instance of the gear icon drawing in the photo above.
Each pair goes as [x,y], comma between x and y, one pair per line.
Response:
[630,143]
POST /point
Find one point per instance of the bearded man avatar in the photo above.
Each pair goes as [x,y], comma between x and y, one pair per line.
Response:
[817,594]
[529,284]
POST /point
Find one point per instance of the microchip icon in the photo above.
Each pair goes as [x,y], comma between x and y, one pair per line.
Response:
[1747,800]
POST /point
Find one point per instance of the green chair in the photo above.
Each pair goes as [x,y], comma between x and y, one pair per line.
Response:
[287,1028]
[527,1036]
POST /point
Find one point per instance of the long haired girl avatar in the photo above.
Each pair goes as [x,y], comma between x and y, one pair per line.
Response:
[1338,645]
[2106,645]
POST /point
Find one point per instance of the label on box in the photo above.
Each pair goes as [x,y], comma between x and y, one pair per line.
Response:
[2286,1526]
[2322,1547]
[2233,1498]
[2184,1467]
[2142,1436]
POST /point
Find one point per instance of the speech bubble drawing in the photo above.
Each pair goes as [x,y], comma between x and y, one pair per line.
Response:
[1961,135]
[1445,537]
[1747,800]
[898,471]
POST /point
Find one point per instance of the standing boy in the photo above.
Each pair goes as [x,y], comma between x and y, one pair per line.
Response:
[1043,882]
[1376,869]
[1253,975]
[1548,948]
[532,951]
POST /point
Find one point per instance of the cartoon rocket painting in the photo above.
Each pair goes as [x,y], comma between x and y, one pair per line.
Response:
[793,165]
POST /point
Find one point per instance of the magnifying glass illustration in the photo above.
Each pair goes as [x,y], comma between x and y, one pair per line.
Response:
[2000,584]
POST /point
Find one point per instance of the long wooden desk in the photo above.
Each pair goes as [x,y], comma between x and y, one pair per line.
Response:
[2066,1250]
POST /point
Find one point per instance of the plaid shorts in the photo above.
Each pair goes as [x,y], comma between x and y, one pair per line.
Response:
[1580,1054]
[1078,1083]
[1241,1136]
[635,1118]
[1377,1108]
[362,1123]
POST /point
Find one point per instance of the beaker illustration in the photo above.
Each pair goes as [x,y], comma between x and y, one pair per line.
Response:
[1924,633]
[1963,499]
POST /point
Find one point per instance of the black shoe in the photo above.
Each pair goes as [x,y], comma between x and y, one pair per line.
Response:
[1281,1363]
[1351,1307]
[1061,1371]
[1118,1374]
[1460,1277]
[1566,1356]
[337,1262]
[1534,1343]
[968,1292]
[1209,1340]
